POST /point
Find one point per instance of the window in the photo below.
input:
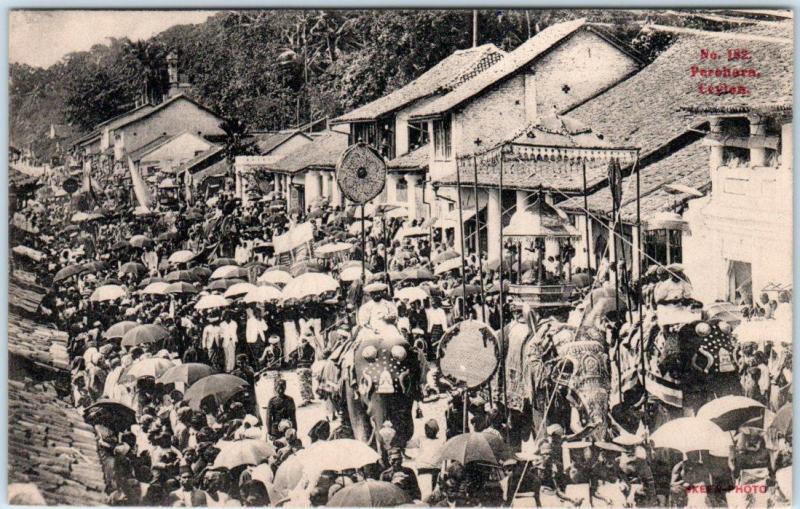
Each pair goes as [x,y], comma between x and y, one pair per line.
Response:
[663,246]
[363,132]
[417,135]
[442,142]
[401,193]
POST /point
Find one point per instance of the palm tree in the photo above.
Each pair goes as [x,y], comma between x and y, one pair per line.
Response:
[236,143]
[151,60]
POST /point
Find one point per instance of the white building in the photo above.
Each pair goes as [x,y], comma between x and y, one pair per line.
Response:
[741,242]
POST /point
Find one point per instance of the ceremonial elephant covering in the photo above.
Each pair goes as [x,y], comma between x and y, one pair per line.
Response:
[685,363]
[381,375]
[575,365]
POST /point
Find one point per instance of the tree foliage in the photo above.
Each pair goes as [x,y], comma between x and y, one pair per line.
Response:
[271,69]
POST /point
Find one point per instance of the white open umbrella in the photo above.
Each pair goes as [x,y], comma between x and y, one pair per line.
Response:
[157,288]
[276,277]
[108,292]
[239,289]
[229,272]
[181,256]
[687,434]
[263,294]
[411,293]
[332,249]
[211,302]
[310,283]
[353,273]
[447,265]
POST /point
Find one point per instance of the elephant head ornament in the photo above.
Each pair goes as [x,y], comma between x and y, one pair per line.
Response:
[382,383]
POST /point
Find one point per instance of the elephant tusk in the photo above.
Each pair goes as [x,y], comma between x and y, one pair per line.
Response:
[402,379]
[708,357]
[365,386]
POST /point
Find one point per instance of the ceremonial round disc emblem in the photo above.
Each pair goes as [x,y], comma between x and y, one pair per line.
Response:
[361,173]
[469,353]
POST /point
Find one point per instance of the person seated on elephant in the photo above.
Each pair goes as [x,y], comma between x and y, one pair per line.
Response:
[401,476]
[674,287]
[378,308]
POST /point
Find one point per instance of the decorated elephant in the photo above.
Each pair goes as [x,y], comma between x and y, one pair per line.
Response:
[381,377]
[570,371]
[688,361]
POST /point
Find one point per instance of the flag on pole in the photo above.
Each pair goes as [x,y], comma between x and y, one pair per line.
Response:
[139,187]
[615,182]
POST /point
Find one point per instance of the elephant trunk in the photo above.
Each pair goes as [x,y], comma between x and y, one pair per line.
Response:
[594,396]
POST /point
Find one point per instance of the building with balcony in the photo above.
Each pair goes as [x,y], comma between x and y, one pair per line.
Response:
[675,180]
[741,243]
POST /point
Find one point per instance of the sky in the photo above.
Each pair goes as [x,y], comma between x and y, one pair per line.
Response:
[42,37]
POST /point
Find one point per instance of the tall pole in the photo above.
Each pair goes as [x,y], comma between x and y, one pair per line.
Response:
[461,230]
[588,218]
[639,262]
[475,28]
[363,248]
[478,237]
[588,236]
[502,367]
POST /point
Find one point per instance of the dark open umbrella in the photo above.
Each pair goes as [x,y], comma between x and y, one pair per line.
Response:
[418,274]
[93,267]
[219,262]
[369,493]
[223,284]
[134,268]
[187,373]
[141,334]
[202,273]
[220,387]
[181,275]
[146,281]
[67,272]
[120,245]
[180,287]
[475,447]
[113,414]
[119,329]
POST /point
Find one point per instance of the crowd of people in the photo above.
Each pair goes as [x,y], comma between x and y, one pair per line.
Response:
[168,441]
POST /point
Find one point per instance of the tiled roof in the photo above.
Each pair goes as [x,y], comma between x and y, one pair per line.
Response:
[511,63]
[136,115]
[530,175]
[646,109]
[142,113]
[148,147]
[458,68]
[51,446]
[215,170]
[199,159]
[267,142]
[687,166]
[416,159]
[323,152]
